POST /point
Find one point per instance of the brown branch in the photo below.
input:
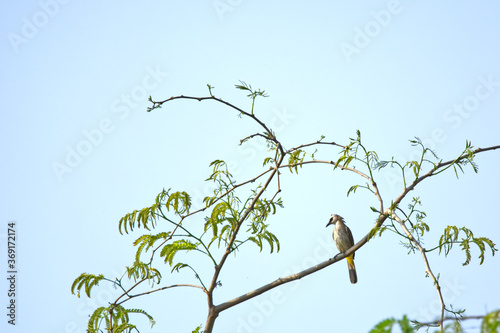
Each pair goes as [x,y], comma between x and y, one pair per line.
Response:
[159,289]
[427,266]
[159,104]
[437,166]
[436,323]
[315,143]
[252,136]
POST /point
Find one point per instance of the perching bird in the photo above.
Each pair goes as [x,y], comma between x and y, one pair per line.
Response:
[342,236]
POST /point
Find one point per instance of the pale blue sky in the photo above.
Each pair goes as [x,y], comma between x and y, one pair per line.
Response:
[76,76]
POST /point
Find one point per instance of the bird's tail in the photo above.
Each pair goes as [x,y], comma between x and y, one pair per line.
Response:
[352,269]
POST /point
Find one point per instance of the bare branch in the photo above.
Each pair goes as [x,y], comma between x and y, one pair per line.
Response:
[160,103]
[314,143]
[159,289]
[427,266]
[436,323]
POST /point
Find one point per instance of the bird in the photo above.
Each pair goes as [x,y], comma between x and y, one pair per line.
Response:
[342,236]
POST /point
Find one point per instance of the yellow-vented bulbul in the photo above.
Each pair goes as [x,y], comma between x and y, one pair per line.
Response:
[342,236]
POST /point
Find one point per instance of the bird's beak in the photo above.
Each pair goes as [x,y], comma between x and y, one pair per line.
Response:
[329,222]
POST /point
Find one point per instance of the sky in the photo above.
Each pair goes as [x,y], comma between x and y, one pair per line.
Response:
[79,150]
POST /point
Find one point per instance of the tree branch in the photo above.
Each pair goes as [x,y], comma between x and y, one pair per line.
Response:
[213,310]
[159,289]
[160,103]
[427,266]
[315,143]
[436,323]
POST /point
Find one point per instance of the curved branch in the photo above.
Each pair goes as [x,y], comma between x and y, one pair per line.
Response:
[160,103]
[436,323]
[318,142]
[427,266]
[438,166]
[159,289]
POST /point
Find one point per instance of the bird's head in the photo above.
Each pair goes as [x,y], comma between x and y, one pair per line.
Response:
[334,218]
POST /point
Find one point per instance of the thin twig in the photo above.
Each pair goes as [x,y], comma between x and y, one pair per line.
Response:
[159,289]
[315,143]
[427,266]
[462,318]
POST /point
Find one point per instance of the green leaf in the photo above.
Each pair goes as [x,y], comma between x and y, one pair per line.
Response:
[225,234]
[257,240]
[491,322]
[295,159]
[140,270]
[376,230]
[146,217]
[405,325]
[140,311]
[180,202]
[243,86]
[384,326]
[450,237]
[269,237]
[352,189]
[93,324]
[170,250]
[210,87]
[85,280]
[145,242]
[267,160]
[179,266]
[453,327]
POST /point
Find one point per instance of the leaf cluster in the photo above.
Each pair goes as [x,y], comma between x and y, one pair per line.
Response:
[490,324]
[294,160]
[258,228]
[143,271]
[253,94]
[224,214]
[87,281]
[179,203]
[228,212]
[387,325]
[116,319]
[451,236]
